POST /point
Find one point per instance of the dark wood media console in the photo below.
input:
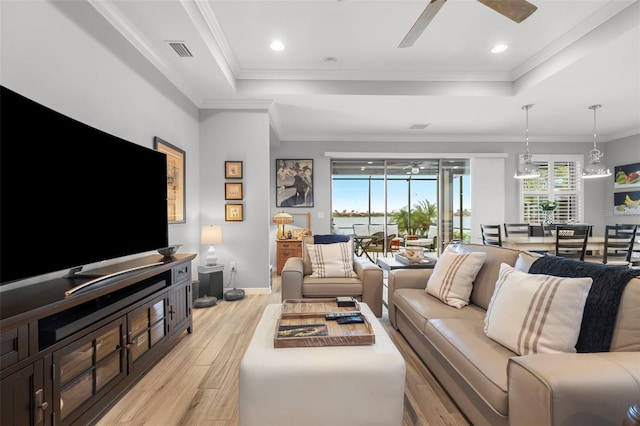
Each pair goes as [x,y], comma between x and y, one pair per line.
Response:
[64,360]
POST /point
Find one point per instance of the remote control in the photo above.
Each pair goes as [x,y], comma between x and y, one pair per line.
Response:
[350,320]
[335,315]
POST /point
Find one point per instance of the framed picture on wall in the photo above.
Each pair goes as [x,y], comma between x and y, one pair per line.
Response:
[294,183]
[626,203]
[233,191]
[626,176]
[233,213]
[233,169]
[176,185]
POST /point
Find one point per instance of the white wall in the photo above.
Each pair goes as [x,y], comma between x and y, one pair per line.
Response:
[237,136]
[487,194]
[65,56]
[618,153]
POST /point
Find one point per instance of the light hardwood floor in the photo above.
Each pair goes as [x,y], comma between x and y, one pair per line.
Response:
[197,382]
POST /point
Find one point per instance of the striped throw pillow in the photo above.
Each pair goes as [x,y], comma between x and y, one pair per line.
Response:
[531,313]
[453,275]
[331,260]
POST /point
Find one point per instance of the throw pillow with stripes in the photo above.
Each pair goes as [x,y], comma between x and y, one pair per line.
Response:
[453,275]
[532,313]
[331,260]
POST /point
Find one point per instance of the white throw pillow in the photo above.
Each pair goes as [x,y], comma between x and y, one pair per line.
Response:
[535,313]
[453,275]
[331,260]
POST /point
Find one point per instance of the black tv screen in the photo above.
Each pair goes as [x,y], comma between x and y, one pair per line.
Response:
[71,194]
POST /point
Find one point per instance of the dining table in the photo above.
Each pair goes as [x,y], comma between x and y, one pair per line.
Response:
[594,244]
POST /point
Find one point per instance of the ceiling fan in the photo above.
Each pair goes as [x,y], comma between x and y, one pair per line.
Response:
[416,166]
[516,10]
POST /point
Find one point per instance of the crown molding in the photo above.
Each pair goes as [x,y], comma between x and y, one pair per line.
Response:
[109,10]
[237,104]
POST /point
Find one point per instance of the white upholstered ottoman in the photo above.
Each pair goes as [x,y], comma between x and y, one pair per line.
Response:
[333,385]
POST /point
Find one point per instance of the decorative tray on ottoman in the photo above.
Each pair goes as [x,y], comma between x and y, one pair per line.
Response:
[303,323]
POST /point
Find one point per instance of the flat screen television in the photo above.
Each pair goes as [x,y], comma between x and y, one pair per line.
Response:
[71,194]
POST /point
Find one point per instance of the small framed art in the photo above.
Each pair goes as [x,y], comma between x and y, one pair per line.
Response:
[233,191]
[233,213]
[176,186]
[233,169]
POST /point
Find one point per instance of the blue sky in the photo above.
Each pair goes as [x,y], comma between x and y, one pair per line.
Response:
[352,195]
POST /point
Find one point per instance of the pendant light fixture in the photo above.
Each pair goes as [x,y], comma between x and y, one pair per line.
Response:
[595,169]
[527,169]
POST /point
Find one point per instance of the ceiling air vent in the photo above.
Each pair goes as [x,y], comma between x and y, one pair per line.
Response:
[181,49]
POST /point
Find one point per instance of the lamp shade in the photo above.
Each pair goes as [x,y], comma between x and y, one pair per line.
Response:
[211,234]
[527,169]
[282,218]
[595,168]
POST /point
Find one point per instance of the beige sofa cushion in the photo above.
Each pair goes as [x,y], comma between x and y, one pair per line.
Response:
[536,313]
[453,277]
[419,307]
[331,260]
[626,334]
[485,281]
[480,361]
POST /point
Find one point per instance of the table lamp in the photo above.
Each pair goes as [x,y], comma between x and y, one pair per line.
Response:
[282,218]
[211,235]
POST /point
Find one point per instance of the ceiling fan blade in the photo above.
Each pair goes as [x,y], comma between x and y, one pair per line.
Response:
[516,10]
[421,23]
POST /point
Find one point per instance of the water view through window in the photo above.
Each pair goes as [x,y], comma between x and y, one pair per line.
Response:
[414,195]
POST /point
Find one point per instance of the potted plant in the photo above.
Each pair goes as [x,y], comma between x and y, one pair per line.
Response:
[548,207]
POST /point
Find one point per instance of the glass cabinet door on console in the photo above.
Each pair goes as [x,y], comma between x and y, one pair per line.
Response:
[86,369]
[148,326]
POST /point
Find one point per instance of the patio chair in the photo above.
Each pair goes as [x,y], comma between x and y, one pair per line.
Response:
[380,244]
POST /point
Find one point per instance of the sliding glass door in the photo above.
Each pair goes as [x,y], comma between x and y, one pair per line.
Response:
[403,197]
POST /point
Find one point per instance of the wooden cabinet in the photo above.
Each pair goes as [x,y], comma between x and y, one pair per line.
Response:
[180,308]
[23,397]
[148,328]
[285,250]
[87,369]
[65,359]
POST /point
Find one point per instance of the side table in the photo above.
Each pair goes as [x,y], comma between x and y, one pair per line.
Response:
[210,278]
[286,249]
[388,264]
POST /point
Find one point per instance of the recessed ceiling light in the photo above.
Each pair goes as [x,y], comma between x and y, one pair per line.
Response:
[277,45]
[499,48]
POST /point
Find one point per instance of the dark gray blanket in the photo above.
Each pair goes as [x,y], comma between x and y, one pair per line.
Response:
[603,301]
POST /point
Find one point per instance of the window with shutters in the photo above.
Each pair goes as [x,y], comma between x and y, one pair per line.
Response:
[559,181]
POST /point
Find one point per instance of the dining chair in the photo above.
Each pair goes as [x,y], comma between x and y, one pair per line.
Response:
[618,244]
[571,241]
[516,230]
[634,252]
[491,235]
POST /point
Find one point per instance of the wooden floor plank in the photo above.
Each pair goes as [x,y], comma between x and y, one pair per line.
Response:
[197,382]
